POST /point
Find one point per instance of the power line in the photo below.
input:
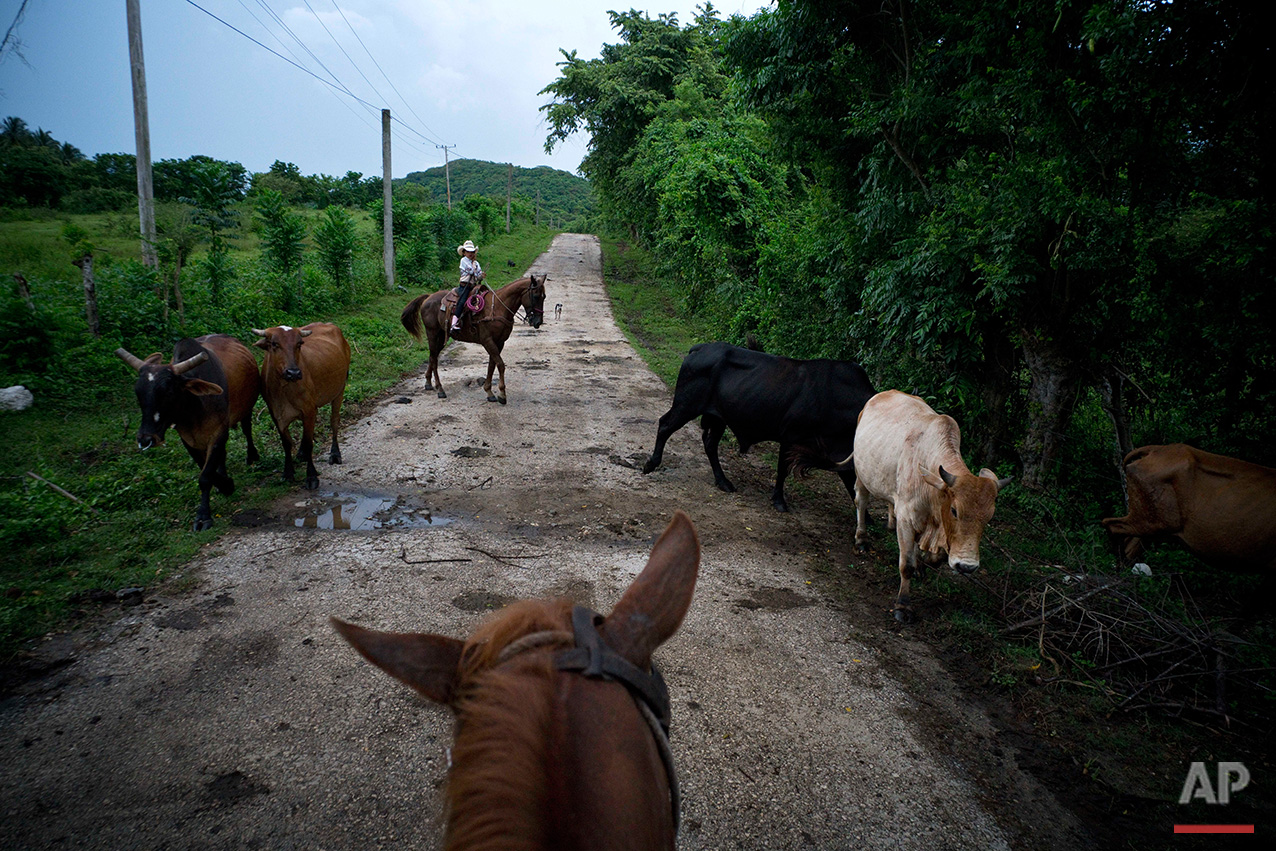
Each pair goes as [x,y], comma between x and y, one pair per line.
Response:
[343,50]
[382,70]
[335,86]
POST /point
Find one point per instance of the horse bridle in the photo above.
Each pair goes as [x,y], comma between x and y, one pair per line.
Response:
[527,311]
[591,657]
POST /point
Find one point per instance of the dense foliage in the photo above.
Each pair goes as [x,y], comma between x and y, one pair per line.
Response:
[1050,218]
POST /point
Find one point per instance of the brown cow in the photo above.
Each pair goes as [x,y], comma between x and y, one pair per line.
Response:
[304,369]
[1222,509]
[210,387]
[910,456]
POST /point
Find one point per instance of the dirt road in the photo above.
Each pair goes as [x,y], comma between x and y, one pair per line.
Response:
[229,715]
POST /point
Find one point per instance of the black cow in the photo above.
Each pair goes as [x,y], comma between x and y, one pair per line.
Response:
[211,386]
[809,406]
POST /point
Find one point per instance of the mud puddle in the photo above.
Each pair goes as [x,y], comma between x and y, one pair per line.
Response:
[362,511]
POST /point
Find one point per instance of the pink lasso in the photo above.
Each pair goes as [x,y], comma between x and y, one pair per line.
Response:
[475,302]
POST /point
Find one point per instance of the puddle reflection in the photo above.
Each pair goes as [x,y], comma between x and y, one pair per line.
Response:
[356,512]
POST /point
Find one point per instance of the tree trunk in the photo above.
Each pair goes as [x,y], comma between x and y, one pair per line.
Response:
[90,294]
[998,384]
[1112,399]
[177,290]
[24,291]
[1056,384]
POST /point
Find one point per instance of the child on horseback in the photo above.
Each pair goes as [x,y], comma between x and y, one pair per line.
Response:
[472,275]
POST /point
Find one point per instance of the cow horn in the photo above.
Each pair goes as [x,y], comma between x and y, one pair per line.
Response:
[303,332]
[190,363]
[989,474]
[949,478]
[259,332]
[130,359]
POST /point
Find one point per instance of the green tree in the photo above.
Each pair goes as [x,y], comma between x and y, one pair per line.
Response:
[1002,166]
[282,231]
[335,238]
[614,98]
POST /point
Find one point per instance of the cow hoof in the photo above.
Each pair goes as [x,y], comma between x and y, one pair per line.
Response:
[904,615]
[312,484]
[725,486]
[334,458]
[442,395]
[647,468]
[202,524]
[862,547]
[780,505]
[501,400]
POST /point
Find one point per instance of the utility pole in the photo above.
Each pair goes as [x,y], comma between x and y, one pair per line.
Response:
[447,174]
[142,130]
[538,206]
[387,201]
[509,189]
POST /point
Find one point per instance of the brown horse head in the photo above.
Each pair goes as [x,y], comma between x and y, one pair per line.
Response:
[533,300]
[547,755]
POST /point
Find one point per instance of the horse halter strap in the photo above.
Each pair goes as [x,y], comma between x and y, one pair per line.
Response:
[593,658]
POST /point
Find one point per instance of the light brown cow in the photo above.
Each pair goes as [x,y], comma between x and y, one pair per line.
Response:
[1222,509]
[910,456]
[305,369]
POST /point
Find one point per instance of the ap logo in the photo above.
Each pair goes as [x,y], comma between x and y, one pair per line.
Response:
[1232,777]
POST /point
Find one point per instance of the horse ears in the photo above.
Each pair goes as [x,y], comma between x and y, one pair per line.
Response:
[653,607]
[428,663]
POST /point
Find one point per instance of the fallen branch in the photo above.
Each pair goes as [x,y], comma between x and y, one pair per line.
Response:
[403,556]
[66,494]
[1045,616]
[502,558]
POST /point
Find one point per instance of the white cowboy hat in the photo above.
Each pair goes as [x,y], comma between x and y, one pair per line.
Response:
[468,246]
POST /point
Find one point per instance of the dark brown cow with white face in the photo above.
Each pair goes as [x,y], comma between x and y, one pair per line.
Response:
[1222,509]
[305,369]
[210,387]
[910,456]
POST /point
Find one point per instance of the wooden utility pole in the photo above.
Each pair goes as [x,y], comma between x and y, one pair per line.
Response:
[142,130]
[447,174]
[509,189]
[387,200]
[538,206]
[85,262]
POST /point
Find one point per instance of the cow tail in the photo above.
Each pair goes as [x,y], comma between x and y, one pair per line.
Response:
[411,317]
[803,459]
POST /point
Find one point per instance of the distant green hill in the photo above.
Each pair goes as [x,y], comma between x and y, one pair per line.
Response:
[564,196]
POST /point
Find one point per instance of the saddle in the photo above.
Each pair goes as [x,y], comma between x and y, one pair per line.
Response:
[448,303]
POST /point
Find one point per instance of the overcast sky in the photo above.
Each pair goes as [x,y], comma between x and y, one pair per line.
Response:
[462,72]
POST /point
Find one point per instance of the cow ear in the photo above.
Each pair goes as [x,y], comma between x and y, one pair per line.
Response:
[262,342]
[153,359]
[428,663]
[653,607]
[932,479]
[989,474]
[200,387]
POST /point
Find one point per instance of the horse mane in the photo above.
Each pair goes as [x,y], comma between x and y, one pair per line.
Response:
[504,744]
